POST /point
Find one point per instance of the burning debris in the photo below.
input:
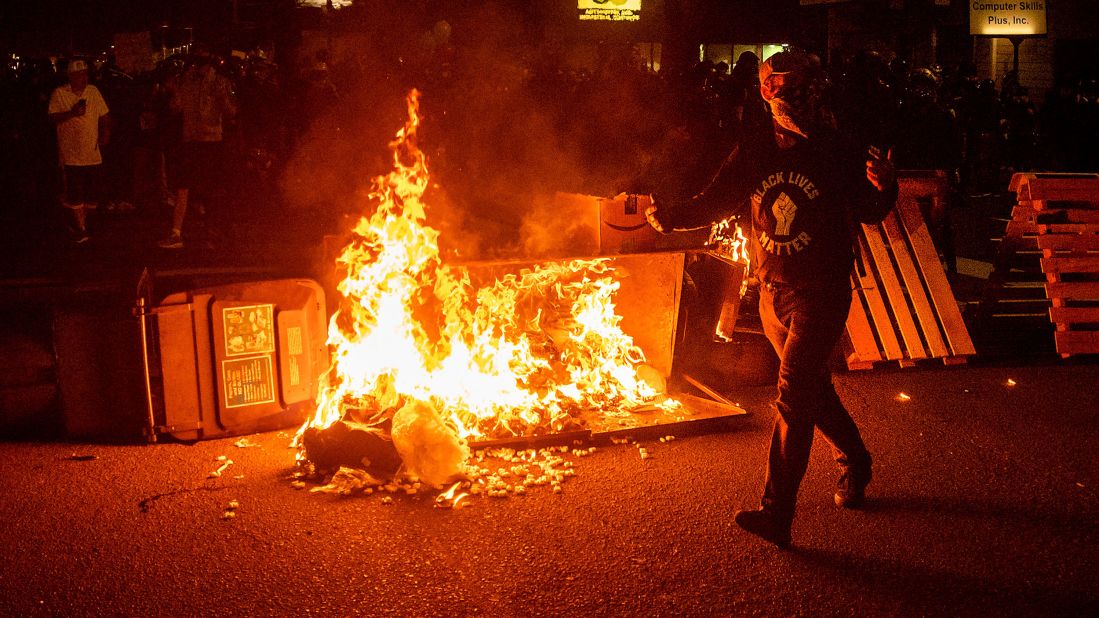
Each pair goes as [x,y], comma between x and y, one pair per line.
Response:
[727,239]
[427,359]
[451,498]
[347,443]
[349,480]
[493,473]
[428,448]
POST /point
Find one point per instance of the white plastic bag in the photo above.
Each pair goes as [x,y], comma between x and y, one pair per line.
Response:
[429,448]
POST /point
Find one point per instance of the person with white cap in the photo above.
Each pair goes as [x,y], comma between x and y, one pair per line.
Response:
[80,114]
[803,186]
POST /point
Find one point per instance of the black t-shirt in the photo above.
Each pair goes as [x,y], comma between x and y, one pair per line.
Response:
[803,203]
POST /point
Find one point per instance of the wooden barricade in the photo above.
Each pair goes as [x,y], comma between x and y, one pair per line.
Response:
[1013,297]
[1013,313]
[1066,219]
[903,309]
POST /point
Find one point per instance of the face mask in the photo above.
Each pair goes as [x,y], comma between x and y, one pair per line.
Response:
[793,103]
[795,117]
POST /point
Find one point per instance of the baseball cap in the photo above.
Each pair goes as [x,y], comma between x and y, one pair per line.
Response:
[77,65]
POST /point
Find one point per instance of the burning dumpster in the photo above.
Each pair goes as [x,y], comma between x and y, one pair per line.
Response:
[487,352]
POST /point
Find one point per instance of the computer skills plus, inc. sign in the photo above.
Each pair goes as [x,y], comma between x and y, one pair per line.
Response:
[609,10]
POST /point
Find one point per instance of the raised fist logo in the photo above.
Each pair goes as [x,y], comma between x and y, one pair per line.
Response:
[784,209]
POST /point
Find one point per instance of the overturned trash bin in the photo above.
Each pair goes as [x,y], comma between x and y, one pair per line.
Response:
[232,359]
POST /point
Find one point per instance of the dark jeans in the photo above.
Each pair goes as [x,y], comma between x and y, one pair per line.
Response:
[804,327]
[198,167]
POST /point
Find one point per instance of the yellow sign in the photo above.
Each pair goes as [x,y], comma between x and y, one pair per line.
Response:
[1005,18]
[609,10]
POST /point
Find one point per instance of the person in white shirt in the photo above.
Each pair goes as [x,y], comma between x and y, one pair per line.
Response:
[79,112]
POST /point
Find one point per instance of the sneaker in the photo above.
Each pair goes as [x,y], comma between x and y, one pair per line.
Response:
[765,525]
[173,241]
[851,489]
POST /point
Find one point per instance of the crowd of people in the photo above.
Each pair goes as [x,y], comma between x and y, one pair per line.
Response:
[170,137]
[81,134]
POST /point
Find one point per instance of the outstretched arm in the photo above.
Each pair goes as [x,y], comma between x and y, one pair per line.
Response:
[725,196]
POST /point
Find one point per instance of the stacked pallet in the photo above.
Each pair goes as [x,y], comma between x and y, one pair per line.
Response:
[1066,208]
[903,308]
[1014,303]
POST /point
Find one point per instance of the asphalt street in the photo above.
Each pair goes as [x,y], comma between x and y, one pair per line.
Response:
[985,500]
[984,503]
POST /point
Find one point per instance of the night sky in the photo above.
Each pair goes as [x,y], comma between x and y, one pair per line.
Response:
[86,26]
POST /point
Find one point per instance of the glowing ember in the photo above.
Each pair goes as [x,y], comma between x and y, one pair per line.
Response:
[451,498]
[521,355]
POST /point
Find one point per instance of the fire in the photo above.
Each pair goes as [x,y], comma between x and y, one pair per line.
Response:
[519,355]
[729,240]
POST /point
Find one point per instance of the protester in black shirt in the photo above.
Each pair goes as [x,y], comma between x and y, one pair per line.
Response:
[804,187]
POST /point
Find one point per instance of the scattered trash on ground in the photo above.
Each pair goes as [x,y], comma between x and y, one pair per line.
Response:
[489,472]
[347,481]
[226,462]
[231,510]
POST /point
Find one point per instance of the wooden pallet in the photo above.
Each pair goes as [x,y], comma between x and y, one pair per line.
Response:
[903,309]
[1067,234]
[1014,300]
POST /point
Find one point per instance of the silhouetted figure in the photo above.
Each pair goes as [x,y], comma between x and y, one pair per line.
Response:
[205,102]
[802,187]
[750,110]
[928,138]
[1020,129]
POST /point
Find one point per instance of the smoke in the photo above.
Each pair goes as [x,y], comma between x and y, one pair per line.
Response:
[506,129]
[561,225]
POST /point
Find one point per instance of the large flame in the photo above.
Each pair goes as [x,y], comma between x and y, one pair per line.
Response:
[519,355]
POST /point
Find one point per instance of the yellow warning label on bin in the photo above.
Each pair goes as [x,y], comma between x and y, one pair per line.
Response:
[293,340]
[248,381]
[248,330]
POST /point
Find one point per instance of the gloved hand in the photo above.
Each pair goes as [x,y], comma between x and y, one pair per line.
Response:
[660,216]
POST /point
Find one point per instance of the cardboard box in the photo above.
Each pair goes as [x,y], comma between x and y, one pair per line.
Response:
[623,229]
